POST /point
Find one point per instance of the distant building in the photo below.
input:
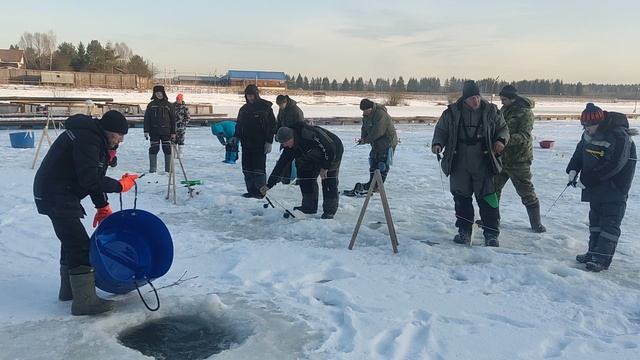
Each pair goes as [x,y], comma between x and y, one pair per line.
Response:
[197,80]
[11,59]
[274,79]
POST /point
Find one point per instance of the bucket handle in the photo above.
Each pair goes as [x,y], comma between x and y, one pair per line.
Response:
[135,198]
[144,301]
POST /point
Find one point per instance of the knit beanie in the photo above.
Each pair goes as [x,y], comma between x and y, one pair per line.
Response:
[114,121]
[470,89]
[591,115]
[509,91]
[366,104]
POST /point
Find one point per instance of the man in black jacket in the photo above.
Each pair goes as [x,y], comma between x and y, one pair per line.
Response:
[288,114]
[160,126]
[317,151]
[606,159]
[75,167]
[255,128]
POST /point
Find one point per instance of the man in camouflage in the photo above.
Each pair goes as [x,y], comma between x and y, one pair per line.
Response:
[518,153]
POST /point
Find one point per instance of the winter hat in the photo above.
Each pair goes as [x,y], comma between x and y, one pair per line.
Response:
[284,134]
[469,89]
[366,104]
[251,89]
[509,91]
[114,121]
[591,115]
[158,88]
[281,99]
[180,97]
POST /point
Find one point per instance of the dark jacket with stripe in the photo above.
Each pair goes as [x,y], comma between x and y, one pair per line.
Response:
[606,160]
[313,147]
[74,167]
[160,118]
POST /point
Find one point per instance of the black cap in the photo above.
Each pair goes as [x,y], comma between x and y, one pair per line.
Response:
[281,99]
[114,121]
[509,91]
[284,134]
[366,104]
[470,89]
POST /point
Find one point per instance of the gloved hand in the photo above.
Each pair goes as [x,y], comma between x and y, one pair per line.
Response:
[573,177]
[263,190]
[127,181]
[267,148]
[323,173]
[146,136]
[498,147]
[101,214]
[113,159]
[436,149]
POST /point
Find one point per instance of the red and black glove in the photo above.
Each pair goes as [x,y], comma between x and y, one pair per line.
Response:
[102,214]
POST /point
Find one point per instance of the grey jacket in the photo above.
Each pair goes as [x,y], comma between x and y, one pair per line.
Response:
[446,133]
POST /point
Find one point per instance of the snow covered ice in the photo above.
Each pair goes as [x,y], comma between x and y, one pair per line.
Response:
[295,291]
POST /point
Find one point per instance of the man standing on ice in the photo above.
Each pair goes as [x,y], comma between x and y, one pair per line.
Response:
[318,152]
[473,134]
[288,114]
[75,167]
[379,131]
[255,128]
[605,158]
[518,154]
[160,125]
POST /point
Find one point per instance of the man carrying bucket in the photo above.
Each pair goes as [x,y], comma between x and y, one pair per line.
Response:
[75,167]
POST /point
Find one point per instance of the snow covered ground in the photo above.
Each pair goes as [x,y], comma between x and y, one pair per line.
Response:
[296,289]
[313,106]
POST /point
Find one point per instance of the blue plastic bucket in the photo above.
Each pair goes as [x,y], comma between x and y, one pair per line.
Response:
[22,140]
[129,248]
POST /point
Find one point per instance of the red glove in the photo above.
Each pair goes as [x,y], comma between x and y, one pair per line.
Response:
[102,214]
[127,181]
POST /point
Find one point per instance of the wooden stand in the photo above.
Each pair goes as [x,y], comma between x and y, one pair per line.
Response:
[171,192]
[376,182]
[45,133]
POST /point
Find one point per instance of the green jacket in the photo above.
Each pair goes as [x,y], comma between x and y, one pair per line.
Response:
[291,114]
[519,118]
[446,134]
[379,131]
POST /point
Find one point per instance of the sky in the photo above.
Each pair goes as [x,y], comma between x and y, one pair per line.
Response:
[588,41]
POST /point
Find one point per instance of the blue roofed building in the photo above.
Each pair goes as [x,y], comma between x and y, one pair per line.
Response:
[274,79]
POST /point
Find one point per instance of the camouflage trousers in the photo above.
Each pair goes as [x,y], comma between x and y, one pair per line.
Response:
[520,176]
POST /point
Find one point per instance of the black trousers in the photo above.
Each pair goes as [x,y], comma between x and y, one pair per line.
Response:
[156,141]
[465,215]
[604,229]
[74,241]
[254,163]
[307,180]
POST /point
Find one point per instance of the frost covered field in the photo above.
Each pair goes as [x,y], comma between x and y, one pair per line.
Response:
[292,288]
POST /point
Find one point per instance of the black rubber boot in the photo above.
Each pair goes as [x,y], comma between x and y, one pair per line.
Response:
[85,300]
[167,162]
[153,163]
[65,293]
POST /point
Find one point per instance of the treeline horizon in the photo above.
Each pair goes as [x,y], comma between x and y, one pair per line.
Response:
[488,86]
[42,52]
